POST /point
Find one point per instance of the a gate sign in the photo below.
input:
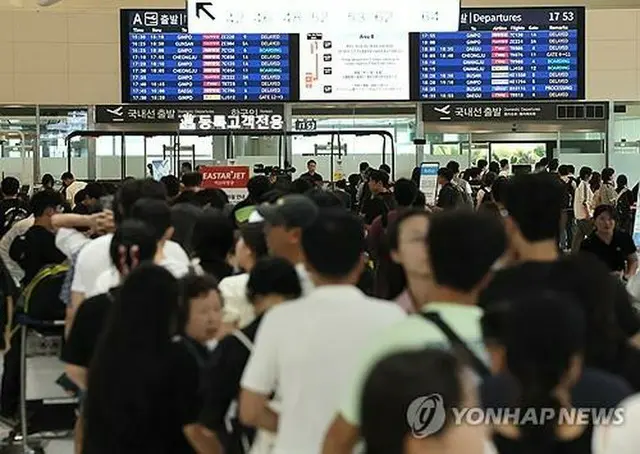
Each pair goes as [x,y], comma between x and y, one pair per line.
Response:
[218,117]
[513,111]
[231,179]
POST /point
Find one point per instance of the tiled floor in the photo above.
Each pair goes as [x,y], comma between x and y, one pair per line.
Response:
[41,376]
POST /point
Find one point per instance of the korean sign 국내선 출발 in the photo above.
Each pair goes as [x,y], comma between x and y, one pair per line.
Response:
[220,117]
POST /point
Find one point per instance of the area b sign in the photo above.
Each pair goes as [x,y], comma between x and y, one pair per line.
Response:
[296,16]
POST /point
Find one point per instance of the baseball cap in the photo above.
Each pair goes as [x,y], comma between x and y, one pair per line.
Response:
[294,210]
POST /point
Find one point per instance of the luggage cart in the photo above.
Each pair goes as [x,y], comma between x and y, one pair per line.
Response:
[40,419]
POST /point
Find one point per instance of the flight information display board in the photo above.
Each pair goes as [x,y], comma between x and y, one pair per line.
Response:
[499,53]
[161,62]
[504,53]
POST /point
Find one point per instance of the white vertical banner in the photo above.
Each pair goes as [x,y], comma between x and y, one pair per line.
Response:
[429,181]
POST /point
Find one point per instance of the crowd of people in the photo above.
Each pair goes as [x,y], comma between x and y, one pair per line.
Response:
[308,320]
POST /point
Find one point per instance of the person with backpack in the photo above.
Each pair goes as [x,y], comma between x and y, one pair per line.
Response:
[624,204]
[461,184]
[381,201]
[568,216]
[12,208]
[449,318]
[606,194]
[449,196]
[271,282]
[37,247]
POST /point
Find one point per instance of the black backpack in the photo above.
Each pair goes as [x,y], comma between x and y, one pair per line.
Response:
[463,199]
[12,216]
[488,195]
[569,194]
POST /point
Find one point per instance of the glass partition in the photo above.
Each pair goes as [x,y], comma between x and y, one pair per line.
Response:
[583,142]
[350,150]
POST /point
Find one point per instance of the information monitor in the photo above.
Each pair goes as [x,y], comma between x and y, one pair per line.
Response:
[161,62]
[503,53]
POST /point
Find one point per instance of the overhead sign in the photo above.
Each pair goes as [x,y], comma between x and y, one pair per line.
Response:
[220,117]
[513,111]
[232,179]
[292,16]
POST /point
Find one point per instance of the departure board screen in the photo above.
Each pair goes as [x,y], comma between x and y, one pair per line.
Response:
[503,53]
[161,62]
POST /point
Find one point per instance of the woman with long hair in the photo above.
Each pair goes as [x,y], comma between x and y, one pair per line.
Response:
[545,368]
[212,242]
[407,277]
[595,182]
[142,386]
[624,204]
[408,405]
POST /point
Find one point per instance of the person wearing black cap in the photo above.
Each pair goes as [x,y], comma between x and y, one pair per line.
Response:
[614,247]
[284,222]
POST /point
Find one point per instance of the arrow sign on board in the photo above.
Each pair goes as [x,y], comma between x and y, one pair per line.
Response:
[201,7]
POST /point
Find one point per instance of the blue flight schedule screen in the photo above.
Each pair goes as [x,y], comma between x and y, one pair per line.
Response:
[161,62]
[505,54]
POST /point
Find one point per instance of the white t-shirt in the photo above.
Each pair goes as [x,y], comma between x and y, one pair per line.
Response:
[111,277]
[620,438]
[72,190]
[70,241]
[16,230]
[305,350]
[234,294]
[94,259]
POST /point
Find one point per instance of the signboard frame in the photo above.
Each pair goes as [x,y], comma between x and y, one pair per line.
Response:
[244,114]
[511,111]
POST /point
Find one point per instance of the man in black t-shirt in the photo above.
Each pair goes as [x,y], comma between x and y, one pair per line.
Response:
[381,201]
[533,206]
[37,248]
[448,197]
[12,209]
[311,173]
[612,246]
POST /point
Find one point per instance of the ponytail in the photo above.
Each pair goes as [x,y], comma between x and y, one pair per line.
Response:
[537,383]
